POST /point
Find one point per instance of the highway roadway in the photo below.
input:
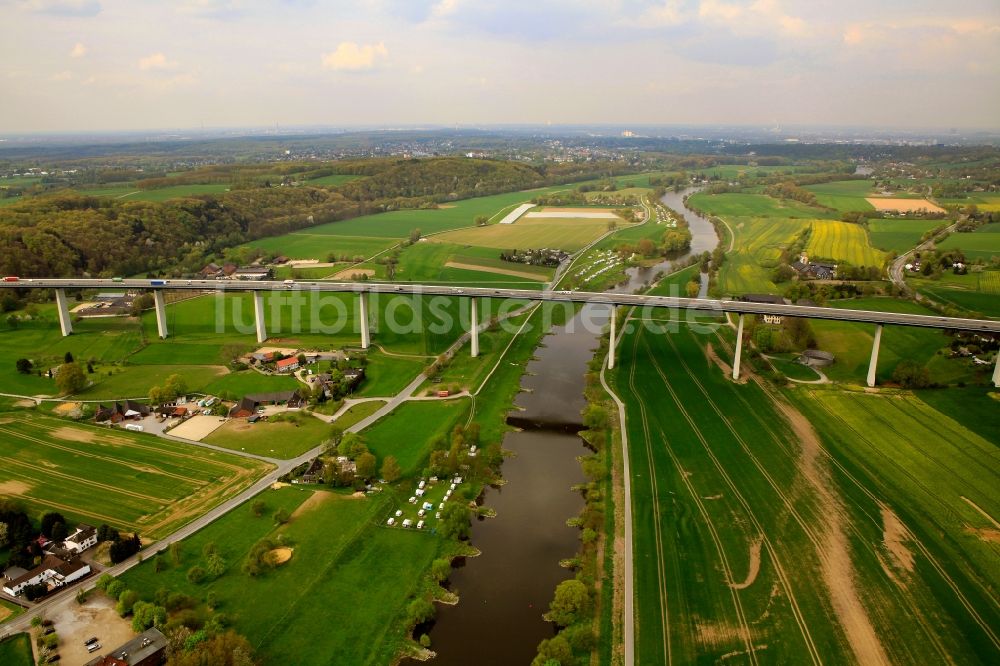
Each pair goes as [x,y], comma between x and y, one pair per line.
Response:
[640,300]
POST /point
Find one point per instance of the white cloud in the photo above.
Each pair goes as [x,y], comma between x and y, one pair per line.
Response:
[756,16]
[444,8]
[78,50]
[354,57]
[65,7]
[156,61]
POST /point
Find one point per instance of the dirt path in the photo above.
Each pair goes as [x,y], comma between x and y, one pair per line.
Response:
[834,555]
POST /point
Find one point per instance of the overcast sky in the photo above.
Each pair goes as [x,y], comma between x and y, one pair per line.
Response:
[71,65]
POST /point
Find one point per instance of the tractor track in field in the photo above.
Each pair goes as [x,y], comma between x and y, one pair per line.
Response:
[976,617]
[87,454]
[878,521]
[657,525]
[831,546]
[771,551]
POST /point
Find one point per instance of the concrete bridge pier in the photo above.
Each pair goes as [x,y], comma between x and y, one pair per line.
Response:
[474,327]
[161,314]
[739,349]
[65,323]
[258,315]
[874,362]
[611,341]
[996,372]
[366,338]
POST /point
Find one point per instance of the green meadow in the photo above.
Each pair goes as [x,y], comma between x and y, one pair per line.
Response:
[347,578]
[843,195]
[983,243]
[755,205]
[899,235]
[16,650]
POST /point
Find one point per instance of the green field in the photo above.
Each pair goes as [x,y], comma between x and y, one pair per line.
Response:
[569,234]
[752,542]
[978,291]
[842,241]
[407,431]
[16,650]
[754,205]
[844,195]
[428,262]
[983,243]
[899,235]
[358,412]
[757,251]
[274,439]
[851,344]
[311,244]
[348,578]
[98,475]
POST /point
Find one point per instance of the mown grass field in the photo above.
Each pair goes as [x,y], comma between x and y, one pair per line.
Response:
[983,243]
[569,234]
[311,244]
[358,412]
[899,235]
[842,241]
[337,601]
[407,431]
[844,195]
[16,650]
[279,439]
[428,262]
[99,475]
[753,541]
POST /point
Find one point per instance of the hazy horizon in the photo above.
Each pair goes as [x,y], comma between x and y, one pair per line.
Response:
[85,66]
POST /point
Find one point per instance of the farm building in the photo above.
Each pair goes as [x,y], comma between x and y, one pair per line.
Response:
[812,269]
[252,273]
[83,538]
[287,365]
[147,649]
[126,410]
[248,405]
[53,571]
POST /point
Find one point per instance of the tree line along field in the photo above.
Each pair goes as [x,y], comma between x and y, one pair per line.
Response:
[336,601]
[129,481]
[753,540]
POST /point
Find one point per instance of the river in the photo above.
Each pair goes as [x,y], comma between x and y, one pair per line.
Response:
[505,590]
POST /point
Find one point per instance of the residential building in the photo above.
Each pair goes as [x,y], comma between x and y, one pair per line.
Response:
[83,538]
[290,364]
[52,571]
[125,410]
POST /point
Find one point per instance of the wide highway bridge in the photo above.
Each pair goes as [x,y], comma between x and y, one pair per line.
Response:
[362,289]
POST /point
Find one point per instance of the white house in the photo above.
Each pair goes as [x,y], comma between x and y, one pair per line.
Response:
[52,571]
[83,538]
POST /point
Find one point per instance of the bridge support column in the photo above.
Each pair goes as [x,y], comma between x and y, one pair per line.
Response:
[366,338]
[258,315]
[874,362]
[474,327]
[739,349]
[996,372]
[161,314]
[65,323]
[611,341]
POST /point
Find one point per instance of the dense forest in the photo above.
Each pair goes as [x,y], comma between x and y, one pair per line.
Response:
[70,234]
